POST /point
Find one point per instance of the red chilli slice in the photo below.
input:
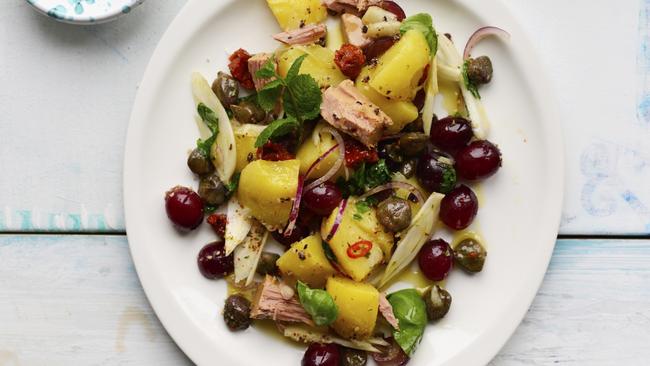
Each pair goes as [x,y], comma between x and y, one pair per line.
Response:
[359,249]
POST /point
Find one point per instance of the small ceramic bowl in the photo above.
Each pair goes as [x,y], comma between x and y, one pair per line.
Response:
[84,11]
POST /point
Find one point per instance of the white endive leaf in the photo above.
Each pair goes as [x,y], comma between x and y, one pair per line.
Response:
[247,255]
[238,225]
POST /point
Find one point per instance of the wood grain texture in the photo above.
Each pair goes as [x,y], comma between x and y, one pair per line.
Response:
[67,93]
[77,299]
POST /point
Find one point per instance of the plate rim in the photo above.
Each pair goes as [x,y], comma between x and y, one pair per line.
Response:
[551,131]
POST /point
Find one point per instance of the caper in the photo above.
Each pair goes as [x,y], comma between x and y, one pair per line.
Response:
[353,357]
[226,88]
[236,312]
[394,214]
[479,70]
[470,255]
[438,302]
[415,126]
[413,143]
[199,163]
[248,112]
[267,264]
[212,190]
[409,167]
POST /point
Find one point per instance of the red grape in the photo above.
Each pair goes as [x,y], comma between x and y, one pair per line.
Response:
[323,198]
[213,261]
[392,7]
[478,160]
[184,208]
[378,47]
[459,207]
[436,259]
[322,355]
[451,133]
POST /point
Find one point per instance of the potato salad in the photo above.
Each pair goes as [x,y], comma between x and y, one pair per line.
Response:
[328,170]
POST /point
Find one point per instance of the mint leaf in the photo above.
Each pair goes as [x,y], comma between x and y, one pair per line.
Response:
[208,117]
[423,23]
[232,186]
[295,68]
[411,313]
[473,88]
[448,178]
[318,303]
[303,98]
[276,129]
[377,174]
[267,71]
[212,121]
[268,96]
[367,176]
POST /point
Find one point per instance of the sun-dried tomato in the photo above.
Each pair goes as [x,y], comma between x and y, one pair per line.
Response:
[357,153]
[273,151]
[239,68]
[218,223]
[350,60]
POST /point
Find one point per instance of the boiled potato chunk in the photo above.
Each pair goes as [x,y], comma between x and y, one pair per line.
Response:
[358,304]
[306,261]
[309,152]
[399,70]
[354,227]
[290,14]
[402,112]
[245,136]
[319,64]
[267,189]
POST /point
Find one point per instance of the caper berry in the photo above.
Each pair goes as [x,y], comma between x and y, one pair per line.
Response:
[415,126]
[438,302]
[248,112]
[267,264]
[212,190]
[470,255]
[394,214]
[236,312]
[353,357]
[226,88]
[199,163]
[479,70]
[413,143]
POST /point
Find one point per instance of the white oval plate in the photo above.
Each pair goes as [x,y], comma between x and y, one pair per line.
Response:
[519,214]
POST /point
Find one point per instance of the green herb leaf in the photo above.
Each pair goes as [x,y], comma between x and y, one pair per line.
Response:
[318,303]
[303,98]
[448,178]
[473,88]
[410,311]
[329,253]
[295,68]
[277,129]
[364,178]
[232,186]
[267,71]
[423,23]
[209,117]
[268,96]
[209,209]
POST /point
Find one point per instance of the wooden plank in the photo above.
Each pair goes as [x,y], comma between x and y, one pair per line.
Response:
[76,300]
[63,120]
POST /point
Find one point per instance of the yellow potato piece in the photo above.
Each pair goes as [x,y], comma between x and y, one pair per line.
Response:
[245,137]
[309,152]
[357,303]
[290,14]
[399,70]
[319,63]
[267,189]
[354,227]
[402,112]
[306,261]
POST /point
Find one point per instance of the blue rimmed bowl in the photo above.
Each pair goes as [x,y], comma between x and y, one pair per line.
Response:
[84,11]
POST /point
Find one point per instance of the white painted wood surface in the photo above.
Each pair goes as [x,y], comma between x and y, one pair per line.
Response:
[76,300]
[66,94]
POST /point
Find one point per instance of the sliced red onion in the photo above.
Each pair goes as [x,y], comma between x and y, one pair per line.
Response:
[320,158]
[394,185]
[337,220]
[480,34]
[337,165]
[295,209]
